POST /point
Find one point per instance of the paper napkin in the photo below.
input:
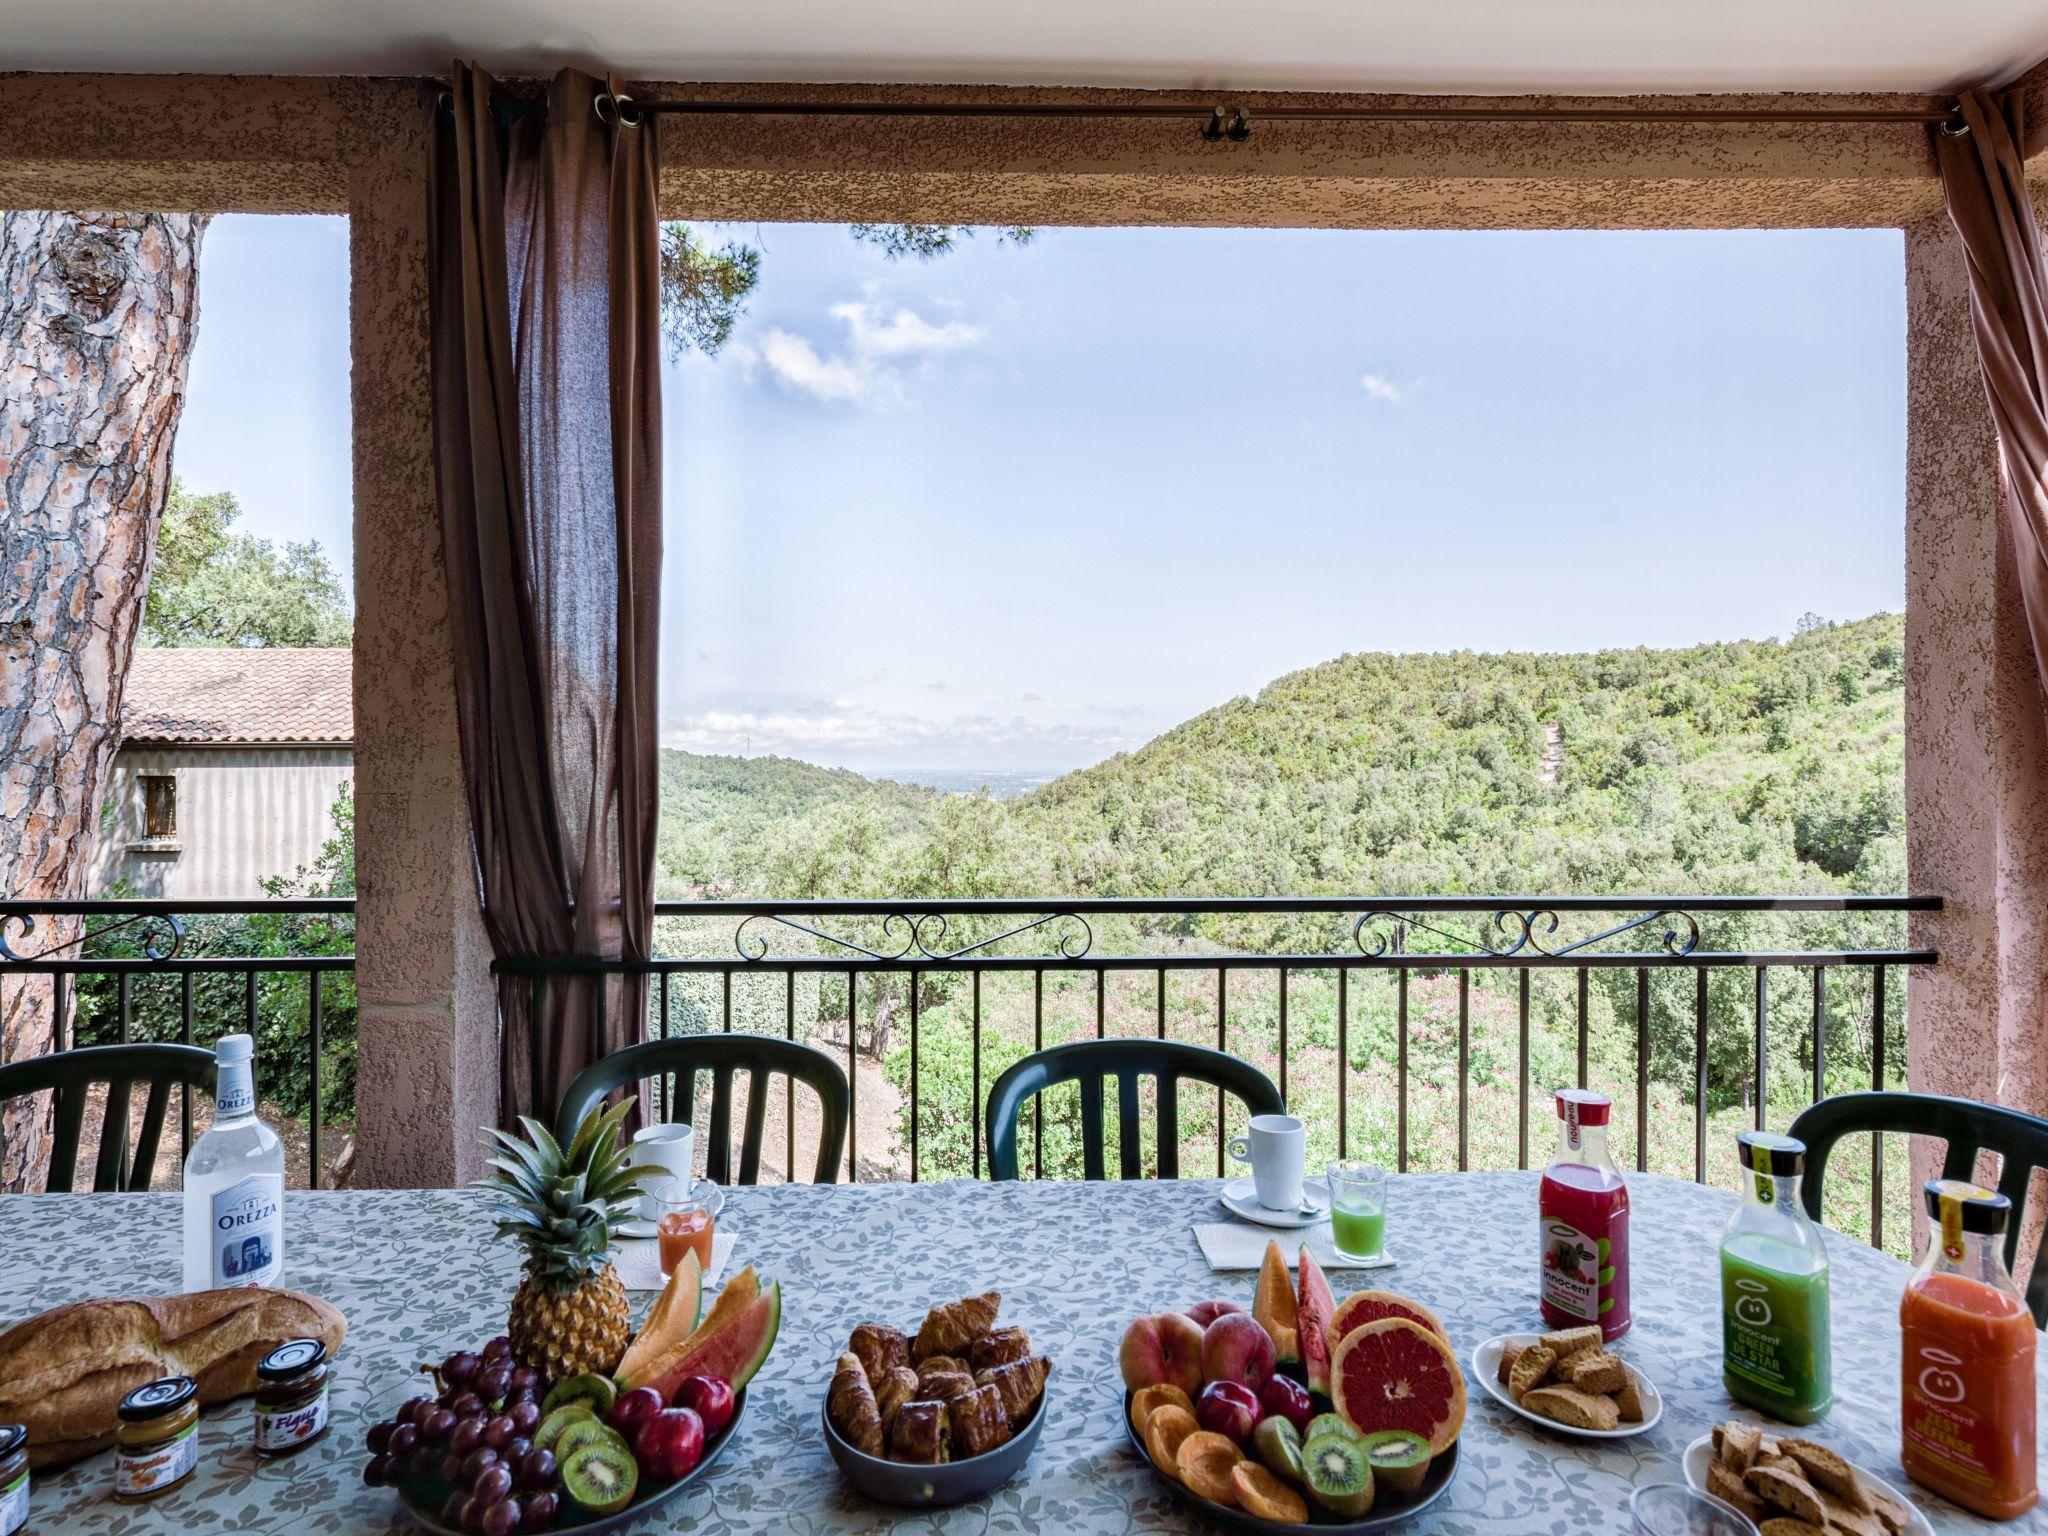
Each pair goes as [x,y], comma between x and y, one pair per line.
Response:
[638,1261]
[1234,1245]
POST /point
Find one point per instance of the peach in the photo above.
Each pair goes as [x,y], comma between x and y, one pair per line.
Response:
[1236,1348]
[1163,1350]
[1206,1312]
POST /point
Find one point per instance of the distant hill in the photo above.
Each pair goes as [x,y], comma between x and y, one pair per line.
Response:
[1741,767]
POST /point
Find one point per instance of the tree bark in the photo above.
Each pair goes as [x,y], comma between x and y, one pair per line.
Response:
[97,318]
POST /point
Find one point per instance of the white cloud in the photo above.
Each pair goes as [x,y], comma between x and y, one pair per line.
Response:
[880,344]
[797,365]
[903,333]
[1379,387]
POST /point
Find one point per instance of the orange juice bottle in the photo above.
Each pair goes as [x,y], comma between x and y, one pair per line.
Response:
[1967,1383]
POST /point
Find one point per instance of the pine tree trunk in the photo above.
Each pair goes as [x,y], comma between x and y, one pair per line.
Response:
[97,318]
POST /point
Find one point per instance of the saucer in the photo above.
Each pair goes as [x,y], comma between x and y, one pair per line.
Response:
[637,1228]
[1239,1199]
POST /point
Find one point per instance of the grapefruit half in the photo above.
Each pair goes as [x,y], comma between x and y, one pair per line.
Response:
[1371,1306]
[1396,1374]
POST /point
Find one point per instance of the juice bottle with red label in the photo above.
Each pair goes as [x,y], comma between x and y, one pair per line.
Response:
[1582,1222]
[1967,1383]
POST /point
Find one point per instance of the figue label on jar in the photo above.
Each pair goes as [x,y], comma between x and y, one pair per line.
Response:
[279,1429]
[139,1473]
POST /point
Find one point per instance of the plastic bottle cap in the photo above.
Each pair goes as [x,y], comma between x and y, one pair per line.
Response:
[1583,1105]
[1971,1208]
[230,1049]
[1767,1152]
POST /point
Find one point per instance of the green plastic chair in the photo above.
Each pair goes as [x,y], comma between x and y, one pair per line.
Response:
[760,1056]
[69,1075]
[2020,1140]
[1088,1062]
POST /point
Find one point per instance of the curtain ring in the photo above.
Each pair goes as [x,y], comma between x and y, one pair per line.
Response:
[1957,127]
[615,109]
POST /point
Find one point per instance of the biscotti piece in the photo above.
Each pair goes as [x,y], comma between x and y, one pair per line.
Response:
[1847,1521]
[1568,1405]
[1628,1402]
[1726,1484]
[1510,1352]
[1594,1370]
[1789,1492]
[1782,1525]
[1829,1473]
[1530,1370]
[1739,1444]
[1887,1509]
[1566,1342]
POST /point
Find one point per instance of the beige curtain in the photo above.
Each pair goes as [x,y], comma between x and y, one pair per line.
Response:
[547,422]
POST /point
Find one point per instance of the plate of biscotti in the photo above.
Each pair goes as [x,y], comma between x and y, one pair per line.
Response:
[1789,1479]
[1569,1381]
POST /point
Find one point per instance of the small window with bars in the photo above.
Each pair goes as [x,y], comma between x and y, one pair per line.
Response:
[159,807]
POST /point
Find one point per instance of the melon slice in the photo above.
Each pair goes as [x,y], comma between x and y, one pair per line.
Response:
[1312,1320]
[733,1351]
[1371,1306]
[1274,1306]
[740,1292]
[1396,1374]
[671,1320]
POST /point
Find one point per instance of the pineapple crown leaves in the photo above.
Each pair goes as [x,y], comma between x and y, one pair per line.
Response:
[559,1202]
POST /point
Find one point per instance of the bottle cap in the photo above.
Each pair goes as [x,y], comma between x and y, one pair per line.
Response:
[1769,1153]
[288,1360]
[230,1049]
[11,1438]
[157,1399]
[1968,1207]
[1583,1106]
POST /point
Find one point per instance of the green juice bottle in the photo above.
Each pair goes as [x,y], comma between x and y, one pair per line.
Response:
[1774,1288]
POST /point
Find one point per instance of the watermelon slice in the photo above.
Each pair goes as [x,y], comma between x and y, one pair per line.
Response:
[739,1293]
[733,1351]
[1312,1321]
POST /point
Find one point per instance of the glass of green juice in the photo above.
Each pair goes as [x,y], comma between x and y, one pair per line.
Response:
[1358,1210]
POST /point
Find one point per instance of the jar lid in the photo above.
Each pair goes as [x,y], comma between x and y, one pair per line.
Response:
[1767,1152]
[1583,1106]
[1980,1210]
[11,1437]
[288,1360]
[157,1399]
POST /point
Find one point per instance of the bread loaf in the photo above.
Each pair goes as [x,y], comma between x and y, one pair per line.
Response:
[63,1373]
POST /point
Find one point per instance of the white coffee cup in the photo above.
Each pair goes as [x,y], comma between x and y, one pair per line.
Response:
[662,1152]
[1276,1147]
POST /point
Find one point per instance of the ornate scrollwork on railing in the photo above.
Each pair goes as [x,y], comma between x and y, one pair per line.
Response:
[1074,937]
[755,946]
[924,932]
[162,937]
[1383,934]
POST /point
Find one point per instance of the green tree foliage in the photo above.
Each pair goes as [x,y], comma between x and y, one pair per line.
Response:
[922,242]
[213,586]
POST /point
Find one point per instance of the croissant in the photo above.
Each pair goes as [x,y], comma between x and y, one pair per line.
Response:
[1020,1384]
[944,1386]
[978,1421]
[897,1387]
[879,1348]
[922,1433]
[1002,1347]
[951,1328]
[851,1407]
[926,1369]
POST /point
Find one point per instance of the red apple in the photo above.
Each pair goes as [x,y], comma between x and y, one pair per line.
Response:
[1163,1350]
[1284,1397]
[1206,1312]
[1229,1408]
[670,1443]
[633,1409]
[710,1397]
[1236,1348]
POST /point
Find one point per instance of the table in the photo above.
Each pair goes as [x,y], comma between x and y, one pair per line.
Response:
[417,1272]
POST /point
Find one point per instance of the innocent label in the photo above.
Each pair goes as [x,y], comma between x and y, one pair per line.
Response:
[14,1506]
[1572,1266]
[246,1231]
[282,1428]
[138,1474]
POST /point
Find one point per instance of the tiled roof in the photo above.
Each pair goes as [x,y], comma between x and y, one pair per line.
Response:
[238,694]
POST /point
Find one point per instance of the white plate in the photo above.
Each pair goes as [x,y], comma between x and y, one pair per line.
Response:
[1700,1454]
[634,1227]
[1486,1366]
[1239,1199]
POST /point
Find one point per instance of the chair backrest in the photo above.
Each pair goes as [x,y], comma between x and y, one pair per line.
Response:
[760,1057]
[1088,1062]
[2020,1140]
[69,1077]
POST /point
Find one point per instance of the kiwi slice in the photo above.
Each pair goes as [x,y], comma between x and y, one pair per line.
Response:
[585,1432]
[600,1475]
[1338,1475]
[595,1390]
[1277,1443]
[1399,1457]
[552,1426]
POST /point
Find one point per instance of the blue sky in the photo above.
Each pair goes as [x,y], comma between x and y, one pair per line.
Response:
[1024,506]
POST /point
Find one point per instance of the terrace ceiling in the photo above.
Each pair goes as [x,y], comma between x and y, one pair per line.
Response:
[1506,47]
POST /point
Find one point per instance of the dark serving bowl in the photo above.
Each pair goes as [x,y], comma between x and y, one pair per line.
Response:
[921,1485]
[1387,1509]
[423,1497]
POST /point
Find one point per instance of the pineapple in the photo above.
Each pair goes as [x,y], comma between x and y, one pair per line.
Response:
[560,1204]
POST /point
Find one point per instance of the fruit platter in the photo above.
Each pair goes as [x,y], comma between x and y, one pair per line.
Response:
[1303,1414]
[569,1419]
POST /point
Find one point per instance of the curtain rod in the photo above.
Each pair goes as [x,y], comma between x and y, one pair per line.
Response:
[1234,122]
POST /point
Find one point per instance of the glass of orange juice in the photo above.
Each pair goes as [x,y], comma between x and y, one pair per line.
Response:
[683,1221]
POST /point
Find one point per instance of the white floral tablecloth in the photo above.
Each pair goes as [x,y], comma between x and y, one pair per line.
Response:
[417,1273]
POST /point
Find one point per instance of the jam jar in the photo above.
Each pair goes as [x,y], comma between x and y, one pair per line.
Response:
[291,1397]
[156,1445]
[13,1478]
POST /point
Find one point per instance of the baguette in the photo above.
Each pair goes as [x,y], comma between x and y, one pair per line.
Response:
[64,1372]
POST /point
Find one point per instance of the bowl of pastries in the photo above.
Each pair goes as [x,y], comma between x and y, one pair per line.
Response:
[940,1416]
